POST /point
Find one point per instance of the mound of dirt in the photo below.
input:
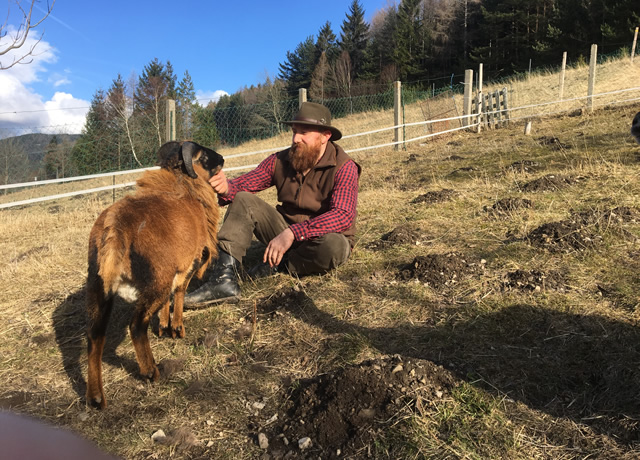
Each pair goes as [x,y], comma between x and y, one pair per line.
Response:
[525,166]
[550,183]
[533,281]
[506,206]
[339,414]
[564,236]
[404,234]
[553,142]
[584,230]
[439,196]
[438,270]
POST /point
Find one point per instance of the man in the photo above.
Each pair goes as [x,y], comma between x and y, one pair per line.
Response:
[311,231]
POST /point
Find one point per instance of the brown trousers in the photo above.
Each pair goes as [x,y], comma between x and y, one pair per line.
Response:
[249,215]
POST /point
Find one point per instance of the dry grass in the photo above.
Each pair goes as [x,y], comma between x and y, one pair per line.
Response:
[551,373]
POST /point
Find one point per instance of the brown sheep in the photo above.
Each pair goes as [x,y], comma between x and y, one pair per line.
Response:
[146,248]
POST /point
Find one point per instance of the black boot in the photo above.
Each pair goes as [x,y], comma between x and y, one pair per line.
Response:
[222,284]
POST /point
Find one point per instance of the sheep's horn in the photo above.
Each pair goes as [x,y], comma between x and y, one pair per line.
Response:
[188,151]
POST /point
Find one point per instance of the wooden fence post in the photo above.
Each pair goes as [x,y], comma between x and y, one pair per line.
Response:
[468,89]
[490,110]
[635,41]
[397,114]
[505,103]
[170,120]
[478,105]
[302,96]
[592,76]
[485,110]
[562,71]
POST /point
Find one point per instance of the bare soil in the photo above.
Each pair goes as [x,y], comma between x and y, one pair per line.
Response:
[506,206]
[550,183]
[534,281]
[439,196]
[343,411]
[404,234]
[439,270]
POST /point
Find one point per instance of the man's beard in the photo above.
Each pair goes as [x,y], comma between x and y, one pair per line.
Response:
[303,157]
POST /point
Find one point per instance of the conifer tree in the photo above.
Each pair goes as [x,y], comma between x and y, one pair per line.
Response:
[296,71]
[185,101]
[354,38]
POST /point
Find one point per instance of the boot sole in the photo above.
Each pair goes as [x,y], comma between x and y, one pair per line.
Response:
[208,303]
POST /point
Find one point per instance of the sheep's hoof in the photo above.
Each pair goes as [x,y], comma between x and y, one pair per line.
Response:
[97,402]
[178,332]
[165,331]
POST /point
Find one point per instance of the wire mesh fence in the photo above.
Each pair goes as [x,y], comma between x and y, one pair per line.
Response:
[109,144]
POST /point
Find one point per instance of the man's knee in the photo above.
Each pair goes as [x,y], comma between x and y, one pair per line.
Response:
[319,256]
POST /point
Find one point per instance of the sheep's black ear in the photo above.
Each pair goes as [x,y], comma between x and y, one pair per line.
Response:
[169,155]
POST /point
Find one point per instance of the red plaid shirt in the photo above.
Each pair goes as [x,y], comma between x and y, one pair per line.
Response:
[343,201]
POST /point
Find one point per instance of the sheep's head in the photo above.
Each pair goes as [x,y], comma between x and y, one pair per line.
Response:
[185,155]
[635,127]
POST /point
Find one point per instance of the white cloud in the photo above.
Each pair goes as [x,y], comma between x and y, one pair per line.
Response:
[22,109]
[204,97]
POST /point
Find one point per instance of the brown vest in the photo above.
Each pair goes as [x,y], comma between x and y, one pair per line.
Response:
[304,197]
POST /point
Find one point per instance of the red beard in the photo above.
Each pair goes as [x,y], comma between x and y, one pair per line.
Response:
[303,157]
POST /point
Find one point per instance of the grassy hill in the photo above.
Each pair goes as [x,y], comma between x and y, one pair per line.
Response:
[489,310]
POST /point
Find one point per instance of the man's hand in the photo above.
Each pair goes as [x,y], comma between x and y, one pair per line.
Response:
[220,183]
[277,247]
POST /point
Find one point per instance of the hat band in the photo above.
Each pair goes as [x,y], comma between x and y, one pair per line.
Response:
[309,120]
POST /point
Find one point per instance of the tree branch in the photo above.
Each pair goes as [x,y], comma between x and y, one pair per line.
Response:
[20,37]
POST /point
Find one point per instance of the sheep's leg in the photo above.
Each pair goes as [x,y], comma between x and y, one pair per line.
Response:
[165,319]
[177,325]
[138,330]
[99,311]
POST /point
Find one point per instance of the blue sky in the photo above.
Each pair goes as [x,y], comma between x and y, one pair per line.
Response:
[224,46]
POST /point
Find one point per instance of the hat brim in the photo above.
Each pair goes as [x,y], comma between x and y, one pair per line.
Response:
[335,132]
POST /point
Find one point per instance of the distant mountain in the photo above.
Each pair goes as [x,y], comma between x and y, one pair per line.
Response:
[23,156]
[35,145]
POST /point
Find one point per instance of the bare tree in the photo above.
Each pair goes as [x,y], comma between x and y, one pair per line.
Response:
[119,102]
[12,162]
[343,75]
[18,39]
[319,77]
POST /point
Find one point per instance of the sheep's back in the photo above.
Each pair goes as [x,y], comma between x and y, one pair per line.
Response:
[148,240]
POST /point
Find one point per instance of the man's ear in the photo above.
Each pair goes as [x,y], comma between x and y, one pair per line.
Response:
[326,135]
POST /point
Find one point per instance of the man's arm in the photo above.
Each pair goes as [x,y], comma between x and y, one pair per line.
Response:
[342,210]
[254,181]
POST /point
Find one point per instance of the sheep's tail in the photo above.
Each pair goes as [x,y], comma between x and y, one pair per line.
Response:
[112,255]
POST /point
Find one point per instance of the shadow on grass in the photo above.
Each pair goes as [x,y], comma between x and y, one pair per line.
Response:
[70,326]
[583,367]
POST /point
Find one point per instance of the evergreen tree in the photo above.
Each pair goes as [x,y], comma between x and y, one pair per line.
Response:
[383,36]
[354,38]
[297,70]
[150,96]
[185,101]
[204,126]
[93,151]
[326,43]
[411,40]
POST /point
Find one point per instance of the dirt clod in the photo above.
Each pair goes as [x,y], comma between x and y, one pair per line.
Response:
[550,183]
[438,270]
[404,234]
[344,409]
[533,281]
[506,206]
[439,196]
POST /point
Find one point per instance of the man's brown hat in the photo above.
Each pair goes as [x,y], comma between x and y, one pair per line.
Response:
[316,115]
